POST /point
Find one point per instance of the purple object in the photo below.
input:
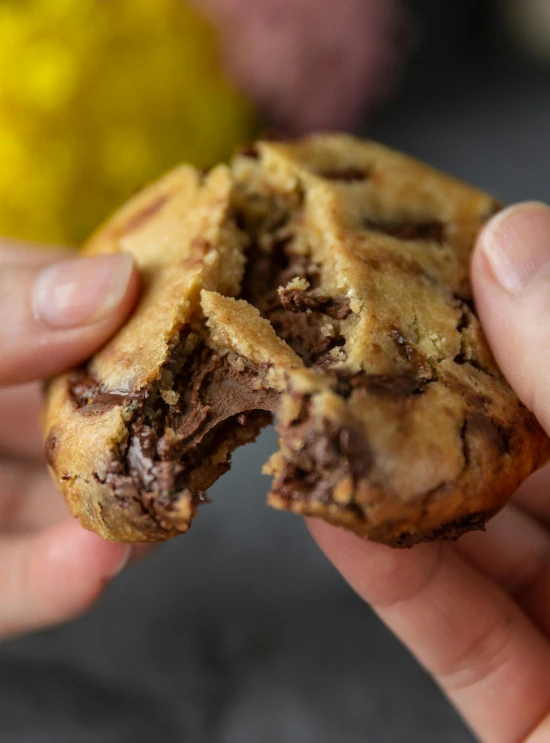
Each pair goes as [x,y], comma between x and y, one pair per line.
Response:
[312,64]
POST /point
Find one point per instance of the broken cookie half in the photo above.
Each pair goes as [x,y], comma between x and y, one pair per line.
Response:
[325,282]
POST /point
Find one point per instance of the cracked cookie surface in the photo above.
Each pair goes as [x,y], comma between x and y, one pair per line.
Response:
[324,281]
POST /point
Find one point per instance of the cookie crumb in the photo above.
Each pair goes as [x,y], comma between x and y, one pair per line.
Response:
[343,492]
[298,284]
[170,397]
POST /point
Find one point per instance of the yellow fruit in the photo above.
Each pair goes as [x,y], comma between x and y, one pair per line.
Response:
[99,97]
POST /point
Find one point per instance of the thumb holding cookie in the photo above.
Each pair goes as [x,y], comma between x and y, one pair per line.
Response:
[511,276]
[55,313]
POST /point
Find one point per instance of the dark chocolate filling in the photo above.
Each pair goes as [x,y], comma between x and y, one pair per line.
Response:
[177,428]
[325,457]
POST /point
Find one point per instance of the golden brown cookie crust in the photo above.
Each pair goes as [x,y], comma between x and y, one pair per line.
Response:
[354,323]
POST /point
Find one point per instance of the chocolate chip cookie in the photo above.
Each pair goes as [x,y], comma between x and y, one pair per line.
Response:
[323,281]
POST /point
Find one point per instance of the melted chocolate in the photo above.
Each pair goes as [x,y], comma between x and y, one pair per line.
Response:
[326,455]
[90,396]
[295,300]
[211,402]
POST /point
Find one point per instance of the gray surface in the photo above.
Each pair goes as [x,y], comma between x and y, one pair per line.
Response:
[240,632]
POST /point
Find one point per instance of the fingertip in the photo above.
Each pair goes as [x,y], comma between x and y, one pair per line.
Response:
[62,313]
[510,277]
[83,292]
[513,247]
[515,211]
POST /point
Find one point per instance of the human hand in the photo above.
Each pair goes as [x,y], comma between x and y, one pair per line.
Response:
[54,314]
[476,613]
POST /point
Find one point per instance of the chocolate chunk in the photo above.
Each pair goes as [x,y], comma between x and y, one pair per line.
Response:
[413,231]
[347,175]
[91,398]
[379,384]
[353,446]
[412,354]
[303,334]
[250,151]
[266,271]
[296,300]
[477,423]
[385,384]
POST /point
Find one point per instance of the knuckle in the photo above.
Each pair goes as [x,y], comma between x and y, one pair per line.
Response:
[487,652]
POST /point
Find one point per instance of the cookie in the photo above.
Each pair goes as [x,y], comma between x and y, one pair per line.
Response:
[323,281]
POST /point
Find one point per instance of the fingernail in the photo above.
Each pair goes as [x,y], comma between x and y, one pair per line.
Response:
[516,244]
[81,291]
[124,559]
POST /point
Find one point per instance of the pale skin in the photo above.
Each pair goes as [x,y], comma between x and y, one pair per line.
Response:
[476,614]
[50,568]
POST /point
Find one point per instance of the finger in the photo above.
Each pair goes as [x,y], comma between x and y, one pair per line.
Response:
[511,278]
[54,317]
[20,434]
[515,553]
[29,501]
[486,655]
[53,576]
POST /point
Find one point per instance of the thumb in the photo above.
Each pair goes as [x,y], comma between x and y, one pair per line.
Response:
[55,316]
[511,277]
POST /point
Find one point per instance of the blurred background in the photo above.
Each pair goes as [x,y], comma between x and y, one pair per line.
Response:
[240,632]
